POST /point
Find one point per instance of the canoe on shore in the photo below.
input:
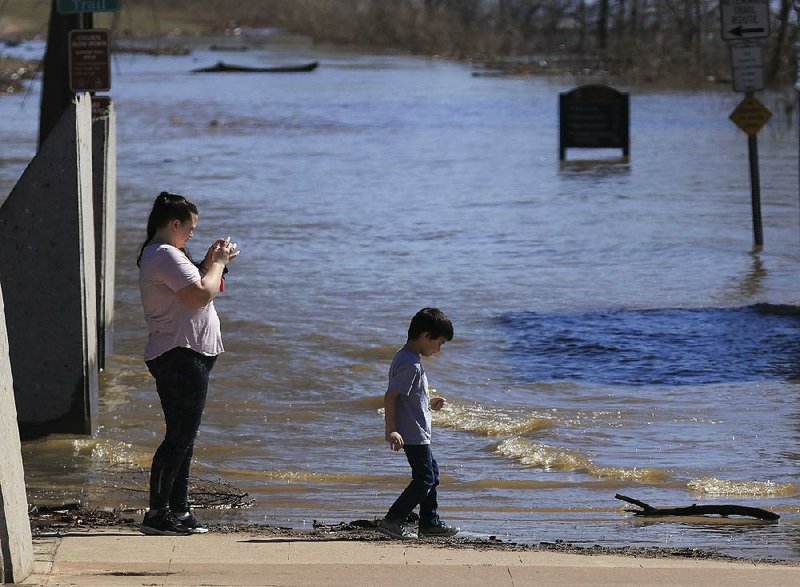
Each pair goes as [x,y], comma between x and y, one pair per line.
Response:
[222,67]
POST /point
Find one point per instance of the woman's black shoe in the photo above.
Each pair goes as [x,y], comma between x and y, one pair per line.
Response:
[162,523]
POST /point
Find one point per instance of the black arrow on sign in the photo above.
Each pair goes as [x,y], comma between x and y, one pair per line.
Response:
[739,30]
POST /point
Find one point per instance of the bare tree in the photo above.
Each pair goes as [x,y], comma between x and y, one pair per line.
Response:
[780,41]
[602,25]
[637,37]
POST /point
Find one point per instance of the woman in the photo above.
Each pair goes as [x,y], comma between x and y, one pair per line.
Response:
[184,341]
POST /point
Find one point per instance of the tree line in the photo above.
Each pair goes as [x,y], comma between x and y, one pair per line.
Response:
[643,38]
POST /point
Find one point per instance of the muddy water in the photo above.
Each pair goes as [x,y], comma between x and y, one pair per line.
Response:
[615,333]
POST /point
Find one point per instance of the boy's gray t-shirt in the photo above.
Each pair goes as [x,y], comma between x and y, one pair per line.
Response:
[412,413]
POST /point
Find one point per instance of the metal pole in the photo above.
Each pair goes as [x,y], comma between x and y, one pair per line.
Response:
[796,4]
[87,20]
[755,186]
[755,190]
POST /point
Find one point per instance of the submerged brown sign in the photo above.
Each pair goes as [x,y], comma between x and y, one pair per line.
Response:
[594,117]
[89,60]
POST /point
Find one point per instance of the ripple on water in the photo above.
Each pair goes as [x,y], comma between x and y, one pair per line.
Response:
[538,455]
[656,347]
[713,486]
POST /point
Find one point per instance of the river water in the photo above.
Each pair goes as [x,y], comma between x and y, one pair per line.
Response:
[614,330]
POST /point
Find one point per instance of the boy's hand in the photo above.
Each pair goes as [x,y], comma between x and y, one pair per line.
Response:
[437,403]
[395,441]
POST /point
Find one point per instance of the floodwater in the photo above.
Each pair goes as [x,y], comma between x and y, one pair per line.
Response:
[615,332]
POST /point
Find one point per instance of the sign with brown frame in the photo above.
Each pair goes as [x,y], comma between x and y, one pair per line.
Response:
[89,60]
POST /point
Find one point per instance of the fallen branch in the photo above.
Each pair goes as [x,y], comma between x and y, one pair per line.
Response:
[698,510]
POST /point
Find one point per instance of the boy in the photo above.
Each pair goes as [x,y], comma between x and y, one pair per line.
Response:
[408,426]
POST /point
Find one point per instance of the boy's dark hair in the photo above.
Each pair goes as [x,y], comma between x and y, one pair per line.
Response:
[430,320]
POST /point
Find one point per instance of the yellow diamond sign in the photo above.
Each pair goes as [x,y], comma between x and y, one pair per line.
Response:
[750,115]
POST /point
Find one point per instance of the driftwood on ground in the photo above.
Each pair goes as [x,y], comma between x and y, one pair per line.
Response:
[698,510]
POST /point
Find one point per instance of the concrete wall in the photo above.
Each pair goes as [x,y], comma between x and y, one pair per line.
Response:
[104,164]
[48,274]
[16,549]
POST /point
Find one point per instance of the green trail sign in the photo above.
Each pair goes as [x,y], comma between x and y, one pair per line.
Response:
[76,6]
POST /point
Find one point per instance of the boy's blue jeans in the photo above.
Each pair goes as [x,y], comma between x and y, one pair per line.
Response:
[422,489]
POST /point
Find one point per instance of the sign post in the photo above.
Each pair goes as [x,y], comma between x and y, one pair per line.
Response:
[744,23]
[750,115]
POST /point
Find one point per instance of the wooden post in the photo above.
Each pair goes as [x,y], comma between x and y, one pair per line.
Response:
[57,96]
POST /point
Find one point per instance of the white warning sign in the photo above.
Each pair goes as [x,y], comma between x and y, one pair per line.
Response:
[744,19]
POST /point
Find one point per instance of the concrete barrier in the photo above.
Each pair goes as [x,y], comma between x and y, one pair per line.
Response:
[48,274]
[104,171]
[16,548]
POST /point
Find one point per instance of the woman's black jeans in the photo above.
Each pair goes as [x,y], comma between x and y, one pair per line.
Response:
[182,382]
[422,489]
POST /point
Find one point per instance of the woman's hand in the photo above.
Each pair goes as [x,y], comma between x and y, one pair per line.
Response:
[222,251]
[209,258]
[217,258]
[437,403]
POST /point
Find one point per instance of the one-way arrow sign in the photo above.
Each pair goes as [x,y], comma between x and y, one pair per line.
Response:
[744,19]
[740,32]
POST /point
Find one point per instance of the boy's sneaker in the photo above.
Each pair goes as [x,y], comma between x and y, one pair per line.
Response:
[191,523]
[396,529]
[162,523]
[438,530]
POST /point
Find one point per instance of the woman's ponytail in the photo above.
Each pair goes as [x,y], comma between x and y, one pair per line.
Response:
[166,208]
